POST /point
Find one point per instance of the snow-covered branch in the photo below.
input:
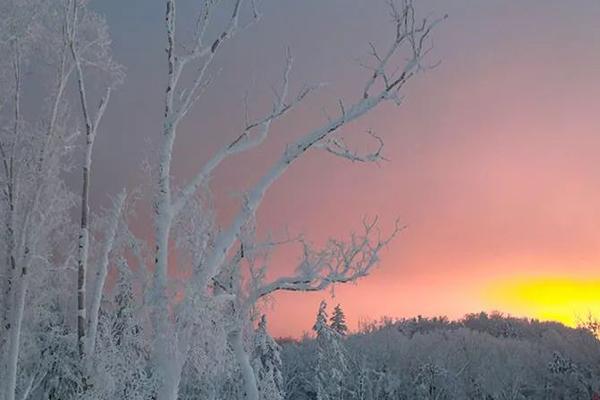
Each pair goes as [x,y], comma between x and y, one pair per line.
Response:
[406,31]
[253,134]
[201,52]
[338,147]
[339,262]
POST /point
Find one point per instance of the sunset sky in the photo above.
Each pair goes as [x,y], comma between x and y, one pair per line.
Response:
[494,157]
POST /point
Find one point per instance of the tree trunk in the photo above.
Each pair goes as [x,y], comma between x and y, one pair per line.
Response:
[102,272]
[165,346]
[82,262]
[169,387]
[17,308]
[84,236]
[15,296]
[250,386]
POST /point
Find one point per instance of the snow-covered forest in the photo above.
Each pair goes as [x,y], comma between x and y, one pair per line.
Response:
[481,356]
[93,309]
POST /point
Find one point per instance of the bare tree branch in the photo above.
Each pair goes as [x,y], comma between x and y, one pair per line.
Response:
[338,262]
[405,32]
[337,147]
[253,134]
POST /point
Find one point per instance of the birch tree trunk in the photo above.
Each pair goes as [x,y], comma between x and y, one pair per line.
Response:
[18,308]
[17,286]
[83,255]
[8,163]
[85,209]
[102,272]
[165,351]
[91,128]
[83,243]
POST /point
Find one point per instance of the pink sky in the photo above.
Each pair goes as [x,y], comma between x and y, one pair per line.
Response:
[495,168]
[494,156]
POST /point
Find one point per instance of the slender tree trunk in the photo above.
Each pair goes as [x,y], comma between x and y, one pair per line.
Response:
[12,267]
[15,298]
[84,236]
[163,210]
[8,163]
[102,272]
[82,263]
[17,308]
[165,346]
[165,357]
[10,243]
[170,378]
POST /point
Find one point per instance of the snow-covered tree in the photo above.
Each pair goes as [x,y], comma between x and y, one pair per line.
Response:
[338,321]
[38,136]
[120,368]
[170,331]
[190,60]
[266,363]
[34,147]
[332,361]
[88,42]
[429,381]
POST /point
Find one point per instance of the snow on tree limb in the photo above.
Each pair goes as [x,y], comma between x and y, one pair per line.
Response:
[253,134]
[406,32]
[338,262]
[337,147]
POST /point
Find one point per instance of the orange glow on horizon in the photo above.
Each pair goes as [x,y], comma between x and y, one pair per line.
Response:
[563,299]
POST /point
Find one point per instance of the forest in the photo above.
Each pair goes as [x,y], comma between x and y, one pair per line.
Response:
[481,356]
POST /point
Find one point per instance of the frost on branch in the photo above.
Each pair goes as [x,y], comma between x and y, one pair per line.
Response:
[338,262]
[338,147]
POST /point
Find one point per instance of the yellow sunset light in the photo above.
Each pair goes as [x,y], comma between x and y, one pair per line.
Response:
[567,300]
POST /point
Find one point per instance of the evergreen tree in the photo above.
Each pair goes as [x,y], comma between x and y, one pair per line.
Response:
[266,363]
[338,321]
[332,363]
[124,324]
